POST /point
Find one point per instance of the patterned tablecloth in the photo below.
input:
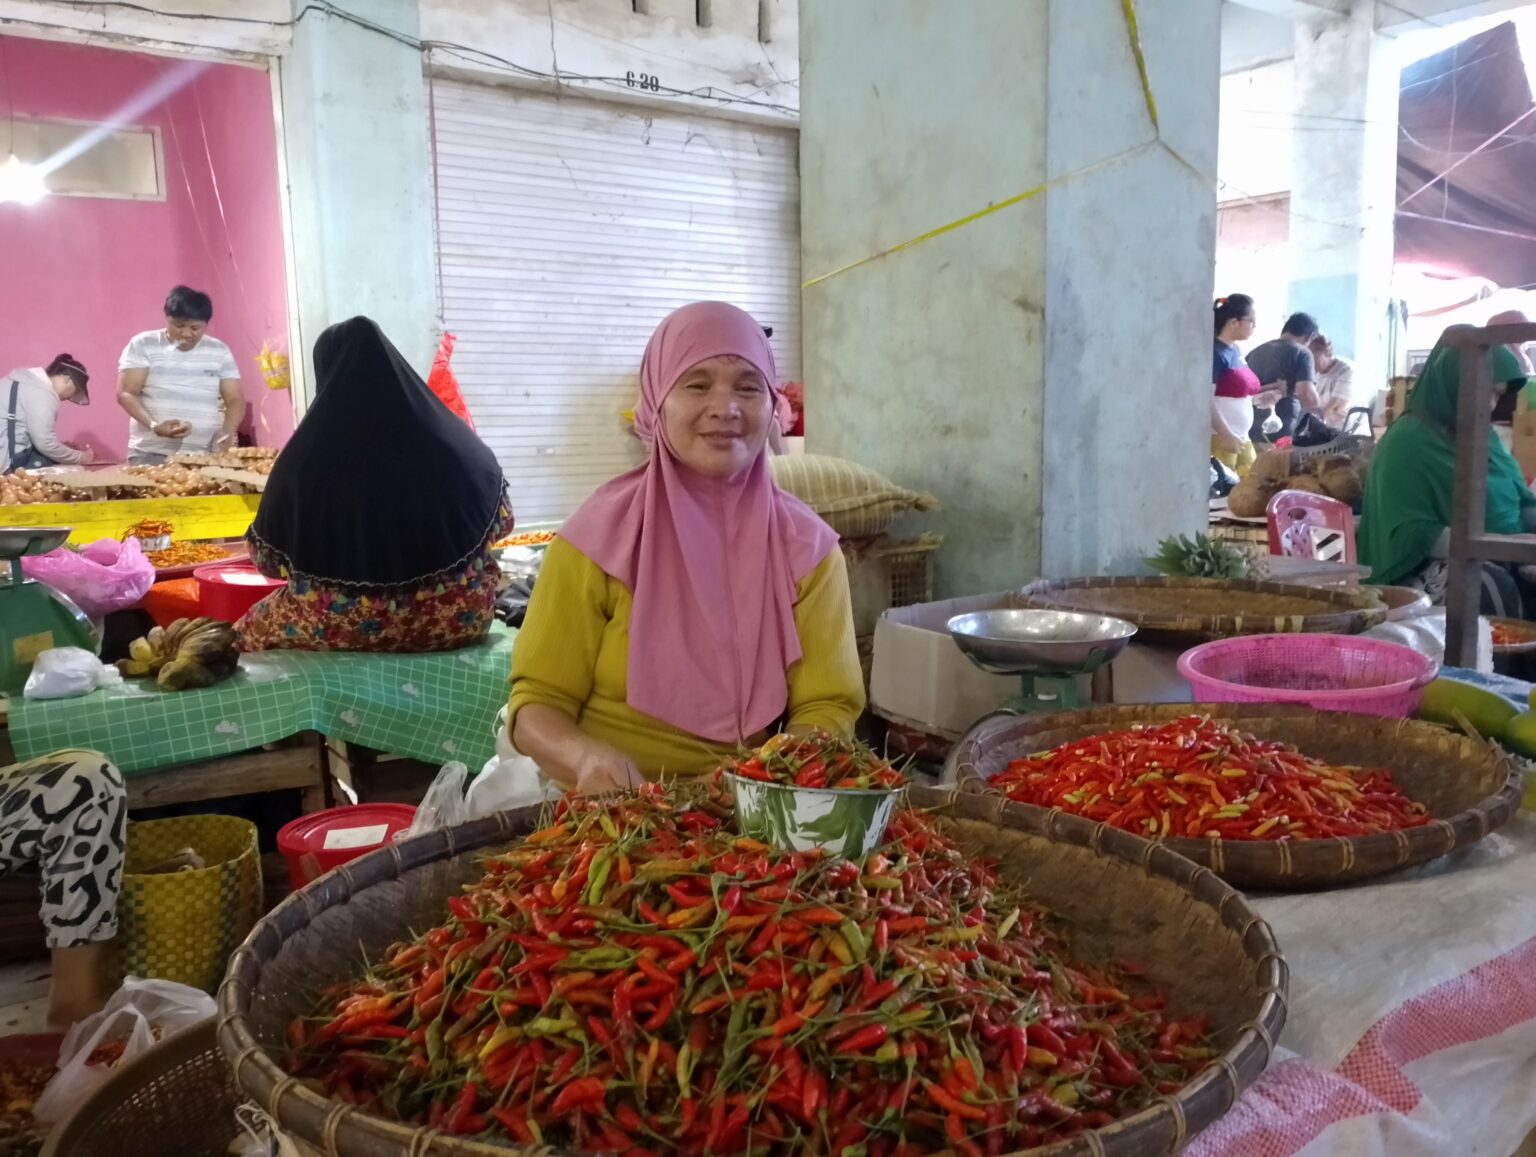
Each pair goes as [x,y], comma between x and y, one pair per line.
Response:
[1412,1026]
[434,708]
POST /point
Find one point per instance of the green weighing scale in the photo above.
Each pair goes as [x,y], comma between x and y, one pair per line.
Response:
[33,617]
[1048,650]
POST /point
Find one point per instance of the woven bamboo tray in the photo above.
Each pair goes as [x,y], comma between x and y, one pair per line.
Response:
[1197,938]
[1470,787]
[177,1100]
[1194,610]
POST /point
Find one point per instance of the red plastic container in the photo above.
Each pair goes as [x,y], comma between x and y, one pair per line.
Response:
[227,590]
[314,844]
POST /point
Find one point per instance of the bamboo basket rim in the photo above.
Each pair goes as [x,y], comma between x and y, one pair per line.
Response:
[1525,646]
[349,1131]
[1271,864]
[168,1054]
[1340,610]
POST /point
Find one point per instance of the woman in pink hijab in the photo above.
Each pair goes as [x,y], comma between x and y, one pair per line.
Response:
[690,606]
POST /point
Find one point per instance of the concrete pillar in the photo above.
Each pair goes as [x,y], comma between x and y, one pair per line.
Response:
[358,166]
[1344,186]
[1043,369]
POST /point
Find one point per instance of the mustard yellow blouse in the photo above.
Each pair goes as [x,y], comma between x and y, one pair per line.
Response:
[573,654]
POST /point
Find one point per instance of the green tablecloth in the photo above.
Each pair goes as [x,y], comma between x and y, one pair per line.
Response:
[429,707]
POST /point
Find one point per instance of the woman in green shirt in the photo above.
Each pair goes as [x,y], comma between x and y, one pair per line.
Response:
[1405,525]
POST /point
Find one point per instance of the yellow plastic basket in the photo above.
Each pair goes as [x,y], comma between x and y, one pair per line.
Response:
[183,926]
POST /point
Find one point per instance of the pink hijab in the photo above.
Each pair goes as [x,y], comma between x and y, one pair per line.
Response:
[712,563]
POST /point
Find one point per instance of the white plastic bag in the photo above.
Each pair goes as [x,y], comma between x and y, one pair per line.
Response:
[509,779]
[133,1013]
[443,805]
[507,782]
[67,672]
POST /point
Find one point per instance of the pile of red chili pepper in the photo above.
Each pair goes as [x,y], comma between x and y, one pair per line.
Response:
[636,979]
[818,760]
[1196,777]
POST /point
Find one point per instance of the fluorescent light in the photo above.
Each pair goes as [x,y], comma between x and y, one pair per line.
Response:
[21,182]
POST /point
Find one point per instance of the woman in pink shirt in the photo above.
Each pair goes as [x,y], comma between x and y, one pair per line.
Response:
[1233,384]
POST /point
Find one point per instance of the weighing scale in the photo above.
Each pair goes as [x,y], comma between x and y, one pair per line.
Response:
[34,617]
[1048,650]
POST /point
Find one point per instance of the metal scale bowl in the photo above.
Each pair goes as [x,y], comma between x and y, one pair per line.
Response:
[1048,650]
[33,617]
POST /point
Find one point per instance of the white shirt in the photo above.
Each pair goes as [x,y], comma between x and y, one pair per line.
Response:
[182,386]
[1232,415]
[37,412]
[1335,389]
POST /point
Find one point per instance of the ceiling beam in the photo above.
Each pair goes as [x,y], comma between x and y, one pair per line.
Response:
[1413,15]
[1298,9]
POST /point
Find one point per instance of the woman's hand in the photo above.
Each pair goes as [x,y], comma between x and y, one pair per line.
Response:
[87,455]
[569,756]
[602,768]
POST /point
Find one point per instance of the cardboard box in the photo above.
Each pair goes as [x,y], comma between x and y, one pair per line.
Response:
[921,679]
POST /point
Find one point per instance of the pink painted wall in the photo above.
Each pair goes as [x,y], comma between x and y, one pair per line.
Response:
[84,274]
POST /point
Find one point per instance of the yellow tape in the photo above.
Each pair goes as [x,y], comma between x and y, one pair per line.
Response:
[1133,30]
[939,232]
[1128,7]
[1018,198]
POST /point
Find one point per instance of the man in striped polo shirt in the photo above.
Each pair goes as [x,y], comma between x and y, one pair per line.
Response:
[181,388]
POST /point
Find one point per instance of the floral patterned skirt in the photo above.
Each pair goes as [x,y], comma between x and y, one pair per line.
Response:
[311,617]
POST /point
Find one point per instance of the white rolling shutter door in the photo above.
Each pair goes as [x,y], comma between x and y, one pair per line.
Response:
[568,229]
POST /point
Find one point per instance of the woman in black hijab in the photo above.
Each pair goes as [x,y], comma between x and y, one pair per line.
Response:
[380,513]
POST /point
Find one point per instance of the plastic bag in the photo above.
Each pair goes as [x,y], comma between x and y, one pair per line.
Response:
[68,672]
[509,779]
[442,382]
[1223,479]
[443,805]
[101,577]
[132,1014]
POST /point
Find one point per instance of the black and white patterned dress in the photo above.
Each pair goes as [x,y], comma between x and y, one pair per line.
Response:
[67,813]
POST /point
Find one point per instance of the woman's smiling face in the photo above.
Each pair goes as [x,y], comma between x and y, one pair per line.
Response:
[716,417]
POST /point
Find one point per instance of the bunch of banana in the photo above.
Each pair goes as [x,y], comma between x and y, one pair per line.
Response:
[189,653]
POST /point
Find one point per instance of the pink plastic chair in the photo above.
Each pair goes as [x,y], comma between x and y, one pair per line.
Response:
[1304,525]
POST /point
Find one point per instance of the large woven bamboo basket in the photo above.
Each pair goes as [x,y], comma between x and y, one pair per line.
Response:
[177,1100]
[1196,937]
[1193,610]
[1469,786]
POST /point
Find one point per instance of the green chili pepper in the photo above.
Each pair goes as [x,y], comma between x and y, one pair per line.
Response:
[541,1026]
[854,936]
[602,863]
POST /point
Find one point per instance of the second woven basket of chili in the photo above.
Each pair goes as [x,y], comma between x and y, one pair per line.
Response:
[1196,777]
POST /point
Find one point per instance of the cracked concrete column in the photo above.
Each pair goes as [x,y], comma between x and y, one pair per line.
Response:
[1042,369]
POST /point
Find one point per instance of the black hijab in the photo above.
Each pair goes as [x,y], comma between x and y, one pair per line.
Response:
[381,485]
